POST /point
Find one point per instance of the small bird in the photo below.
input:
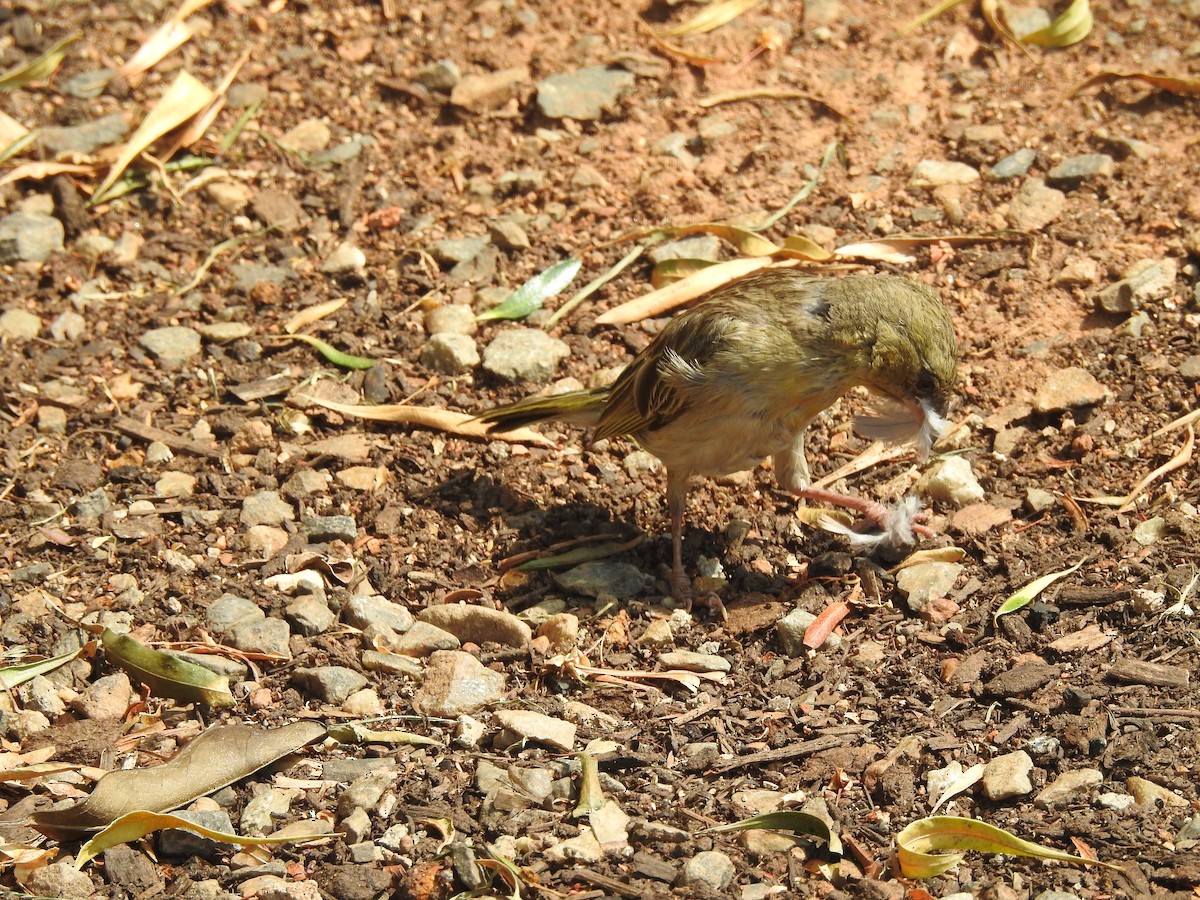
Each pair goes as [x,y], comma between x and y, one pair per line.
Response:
[739,376]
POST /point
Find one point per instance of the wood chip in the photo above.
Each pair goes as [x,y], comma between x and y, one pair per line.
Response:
[1135,671]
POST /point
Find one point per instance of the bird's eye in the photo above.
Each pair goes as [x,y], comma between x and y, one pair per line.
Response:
[926,383]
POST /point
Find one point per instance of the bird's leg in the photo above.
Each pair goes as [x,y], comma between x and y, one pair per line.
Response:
[681,585]
[871,510]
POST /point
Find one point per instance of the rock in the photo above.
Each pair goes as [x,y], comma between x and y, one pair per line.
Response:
[362,612]
[175,485]
[329,684]
[522,725]
[1035,206]
[1070,787]
[90,505]
[309,615]
[1038,500]
[224,332]
[51,420]
[478,624]
[931,173]
[441,76]
[266,508]
[30,237]
[346,259]
[925,582]
[453,318]
[84,139]
[951,481]
[278,209]
[617,579]
[309,136]
[695,246]
[173,345]
[132,870]
[1116,802]
[456,684]
[1069,388]
[423,639]
[320,529]
[450,354]
[1146,279]
[231,196]
[93,246]
[525,181]
[790,631]
[105,699]
[19,325]
[126,249]
[61,880]
[709,870]
[508,235]
[583,94]
[691,661]
[451,251]
[480,93]
[267,635]
[1190,368]
[1078,270]
[524,354]
[264,541]
[1145,791]
[68,326]
[230,610]
[1023,20]
[561,631]
[1007,776]
[1074,170]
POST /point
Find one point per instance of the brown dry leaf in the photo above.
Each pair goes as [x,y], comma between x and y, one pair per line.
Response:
[195,129]
[1171,83]
[877,453]
[462,424]
[314,313]
[180,101]
[994,16]
[767,94]
[899,249]
[680,292]
[39,171]
[219,757]
[10,129]
[818,632]
[693,59]
[711,17]
[1178,461]
[169,36]
[932,554]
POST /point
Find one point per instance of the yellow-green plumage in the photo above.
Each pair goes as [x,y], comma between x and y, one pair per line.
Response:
[739,376]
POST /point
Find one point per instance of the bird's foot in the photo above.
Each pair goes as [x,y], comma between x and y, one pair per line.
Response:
[902,517]
[681,591]
[896,527]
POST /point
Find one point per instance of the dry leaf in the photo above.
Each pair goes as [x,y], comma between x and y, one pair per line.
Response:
[169,36]
[314,313]
[711,17]
[42,170]
[680,292]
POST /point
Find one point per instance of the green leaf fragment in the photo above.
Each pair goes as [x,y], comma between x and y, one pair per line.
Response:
[532,294]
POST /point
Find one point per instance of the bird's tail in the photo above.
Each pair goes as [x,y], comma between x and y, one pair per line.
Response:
[577,407]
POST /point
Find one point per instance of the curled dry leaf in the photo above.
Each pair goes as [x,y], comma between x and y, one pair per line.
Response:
[38,171]
[167,675]
[169,36]
[680,292]
[461,424]
[818,632]
[694,59]
[768,94]
[1071,27]
[39,69]
[1026,594]
[1173,84]
[711,17]
[314,313]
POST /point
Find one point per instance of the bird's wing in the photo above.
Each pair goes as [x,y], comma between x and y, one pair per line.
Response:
[661,382]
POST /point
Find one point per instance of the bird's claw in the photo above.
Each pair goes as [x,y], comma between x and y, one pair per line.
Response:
[681,591]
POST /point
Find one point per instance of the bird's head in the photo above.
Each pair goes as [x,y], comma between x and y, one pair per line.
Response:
[912,357]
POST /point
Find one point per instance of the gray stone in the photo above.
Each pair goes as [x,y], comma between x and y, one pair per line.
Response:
[356,826]
[1038,500]
[1056,895]
[319,529]
[1007,776]
[230,610]
[346,259]
[133,871]
[1144,280]
[442,76]
[329,684]
[178,842]
[248,276]
[83,139]
[362,612]
[29,237]
[491,90]
[456,684]
[453,318]
[931,173]
[709,870]
[583,94]
[87,85]
[451,251]
[1035,206]
[448,353]
[695,246]
[424,639]
[1069,388]
[951,481]
[691,661]
[263,809]
[790,631]
[105,699]
[68,326]
[266,508]
[1190,368]
[522,181]
[926,582]
[617,579]
[1012,166]
[268,635]
[1023,20]
[308,136]
[478,624]
[309,615]
[365,791]
[173,345]
[524,354]
[19,325]
[278,209]
[90,505]
[1074,170]
[526,725]
[175,485]
[1071,787]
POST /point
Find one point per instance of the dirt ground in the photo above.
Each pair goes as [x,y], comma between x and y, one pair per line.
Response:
[1094,682]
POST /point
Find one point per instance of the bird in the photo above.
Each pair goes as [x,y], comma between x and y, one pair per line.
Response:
[739,376]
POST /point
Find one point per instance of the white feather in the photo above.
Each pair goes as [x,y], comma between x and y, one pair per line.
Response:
[897,424]
[898,533]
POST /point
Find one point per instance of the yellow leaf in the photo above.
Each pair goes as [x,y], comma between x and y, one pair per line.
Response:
[1170,83]
[924,17]
[712,16]
[1031,590]
[1070,28]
